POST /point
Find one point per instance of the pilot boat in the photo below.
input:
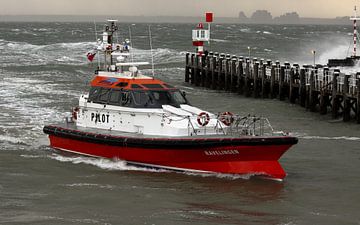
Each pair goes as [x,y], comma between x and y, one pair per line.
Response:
[147,122]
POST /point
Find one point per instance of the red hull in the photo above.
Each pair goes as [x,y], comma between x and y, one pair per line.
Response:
[259,159]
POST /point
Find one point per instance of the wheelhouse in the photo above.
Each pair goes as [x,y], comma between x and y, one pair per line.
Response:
[148,94]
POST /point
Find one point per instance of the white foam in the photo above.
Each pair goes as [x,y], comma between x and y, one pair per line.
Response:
[90,185]
[11,139]
[23,53]
[161,55]
[31,156]
[316,137]
[102,163]
[120,165]
[333,52]
[219,40]
[223,176]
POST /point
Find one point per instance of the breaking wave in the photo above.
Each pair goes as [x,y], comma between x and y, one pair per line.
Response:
[25,54]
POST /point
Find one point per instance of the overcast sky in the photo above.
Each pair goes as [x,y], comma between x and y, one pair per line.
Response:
[223,8]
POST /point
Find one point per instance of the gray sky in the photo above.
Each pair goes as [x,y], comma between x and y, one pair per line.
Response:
[224,8]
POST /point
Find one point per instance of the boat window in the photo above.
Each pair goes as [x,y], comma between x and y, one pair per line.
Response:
[122,84]
[179,97]
[125,98]
[104,95]
[168,86]
[141,99]
[137,99]
[93,93]
[153,86]
[162,97]
[136,86]
[115,97]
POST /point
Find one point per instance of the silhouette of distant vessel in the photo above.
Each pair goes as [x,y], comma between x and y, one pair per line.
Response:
[352,60]
[348,61]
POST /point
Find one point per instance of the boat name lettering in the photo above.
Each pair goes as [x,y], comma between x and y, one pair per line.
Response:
[222,152]
[100,118]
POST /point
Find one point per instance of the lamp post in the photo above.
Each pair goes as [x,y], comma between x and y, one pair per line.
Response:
[314,54]
[249,49]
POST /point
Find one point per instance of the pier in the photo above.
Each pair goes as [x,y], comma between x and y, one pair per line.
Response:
[314,87]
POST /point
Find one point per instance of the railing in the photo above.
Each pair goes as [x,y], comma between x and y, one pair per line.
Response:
[237,126]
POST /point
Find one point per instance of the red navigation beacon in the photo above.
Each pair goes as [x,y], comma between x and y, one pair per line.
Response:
[200,35]
[209,17]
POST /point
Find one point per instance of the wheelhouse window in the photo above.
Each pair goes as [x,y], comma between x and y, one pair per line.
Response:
[140,98]
[94,93]
[179,97]
[115,97]
[104,95]
[137,98]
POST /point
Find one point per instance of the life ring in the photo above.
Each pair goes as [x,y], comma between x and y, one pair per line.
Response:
[203,119]
[75,112]
[226,118]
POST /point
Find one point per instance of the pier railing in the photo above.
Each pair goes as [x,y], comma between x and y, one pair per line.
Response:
[315,87]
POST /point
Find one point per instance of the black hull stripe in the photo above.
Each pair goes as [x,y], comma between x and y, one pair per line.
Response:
[166,143]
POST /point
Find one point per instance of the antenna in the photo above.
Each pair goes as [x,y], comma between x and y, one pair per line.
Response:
[96,40]
[131,46]
[354,18]
[151,52]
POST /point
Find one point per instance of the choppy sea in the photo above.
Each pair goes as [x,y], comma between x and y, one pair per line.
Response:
[43,70]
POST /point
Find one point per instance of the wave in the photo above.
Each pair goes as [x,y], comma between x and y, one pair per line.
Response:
[102,163]
[334,52]
[245,30]
[119,165]
[89,185]
[23,53]
[219,40]
[11,140]
[315,137]
[31,156]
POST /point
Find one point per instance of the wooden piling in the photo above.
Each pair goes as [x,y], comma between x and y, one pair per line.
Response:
[240,76]
[347,101]
[312,92]
[358,99]
[213,73]
[263,77]
[334,97]
[207,80]
[302,88]
[227,74]
[247,78]
[255,80]
[272,81]
[281,83]
[292,96]
[233,77]
[220,74]
[192,79]
[187,68]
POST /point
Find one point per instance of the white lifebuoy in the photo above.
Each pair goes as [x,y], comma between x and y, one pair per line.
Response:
[226,118]
[203,119]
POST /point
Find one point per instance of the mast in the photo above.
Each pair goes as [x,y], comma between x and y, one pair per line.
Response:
[108,36]
[354,18]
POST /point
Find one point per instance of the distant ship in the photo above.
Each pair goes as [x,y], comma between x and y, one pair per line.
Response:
[352,60]
[348,61]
